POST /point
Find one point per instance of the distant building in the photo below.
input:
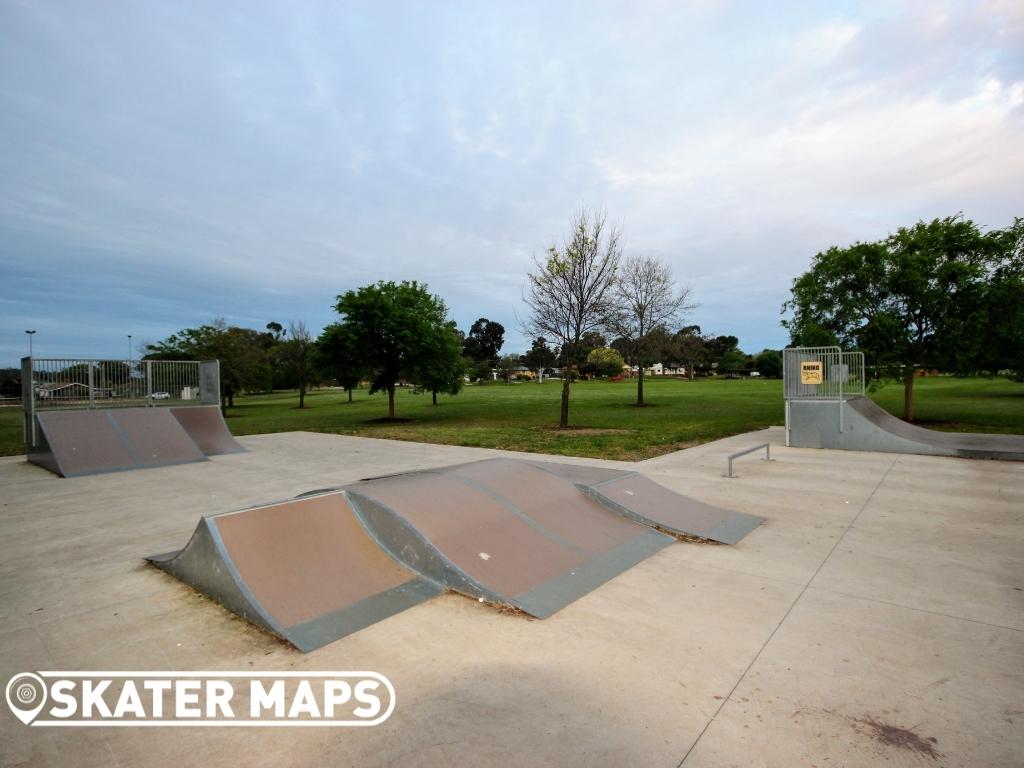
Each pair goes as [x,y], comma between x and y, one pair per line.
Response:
[665,369]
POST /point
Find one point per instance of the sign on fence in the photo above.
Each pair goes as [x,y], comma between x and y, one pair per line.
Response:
[810,373]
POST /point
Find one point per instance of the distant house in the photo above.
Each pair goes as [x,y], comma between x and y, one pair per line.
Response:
[665,369]
[523,372]
[74,390]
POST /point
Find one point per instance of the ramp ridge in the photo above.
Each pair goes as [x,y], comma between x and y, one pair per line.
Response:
[124,439]
[411,549]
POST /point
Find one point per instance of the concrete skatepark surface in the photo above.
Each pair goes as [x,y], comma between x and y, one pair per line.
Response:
[882,598]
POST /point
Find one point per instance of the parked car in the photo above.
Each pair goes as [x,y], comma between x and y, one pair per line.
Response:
[161,396]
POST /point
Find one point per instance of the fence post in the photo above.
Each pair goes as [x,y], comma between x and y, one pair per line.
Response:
[149,383]
[28,401]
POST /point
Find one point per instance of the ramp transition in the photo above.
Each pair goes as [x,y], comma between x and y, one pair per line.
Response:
[73,443]
[868,427]
[305,570]
[206,426]
[513,533]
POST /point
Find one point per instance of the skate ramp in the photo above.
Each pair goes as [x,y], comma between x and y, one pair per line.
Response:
[651,503]
[503,531]
[520,534]
[868,427]
[205,425]
[155,437]
[305,570]
[581,474]
[75,443]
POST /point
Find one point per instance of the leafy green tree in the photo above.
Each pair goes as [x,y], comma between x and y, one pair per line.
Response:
[244,355]
[733,361]
[914,299]
[394,330]
[540,356]
[441,367]
[570,292]
[769,363]
[998,316]
[588,343]
[720,349]
[483,371]
[484,340]
[606,361]
[692,346]
[338,357]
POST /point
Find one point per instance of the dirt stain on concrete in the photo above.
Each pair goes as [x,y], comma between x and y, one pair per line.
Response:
[899,737]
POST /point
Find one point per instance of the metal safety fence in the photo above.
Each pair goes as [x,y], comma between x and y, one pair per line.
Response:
[77,384]
[70,383]
[822,373]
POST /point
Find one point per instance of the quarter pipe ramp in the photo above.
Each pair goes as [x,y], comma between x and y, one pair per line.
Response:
[87,442]
[205,425]
[75,443]
[864,426]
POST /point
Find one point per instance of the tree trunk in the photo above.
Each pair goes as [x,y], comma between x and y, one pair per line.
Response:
[908,393]
[433,394]
[640,388]
[391,401]
[302,395]
[563,419]
[350,395]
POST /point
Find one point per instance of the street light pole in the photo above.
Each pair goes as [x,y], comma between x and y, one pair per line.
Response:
[30,334]
[129,350]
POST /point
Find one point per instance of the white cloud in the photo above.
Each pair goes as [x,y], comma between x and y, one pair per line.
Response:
[276,159]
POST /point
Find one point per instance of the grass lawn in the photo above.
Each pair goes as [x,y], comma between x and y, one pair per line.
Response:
[522,416]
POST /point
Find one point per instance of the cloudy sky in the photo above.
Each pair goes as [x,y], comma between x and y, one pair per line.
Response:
[164,163]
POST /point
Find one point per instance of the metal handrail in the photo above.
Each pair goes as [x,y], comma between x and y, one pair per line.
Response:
[767,455]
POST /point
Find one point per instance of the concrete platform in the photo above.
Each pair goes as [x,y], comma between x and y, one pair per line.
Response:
[877,617]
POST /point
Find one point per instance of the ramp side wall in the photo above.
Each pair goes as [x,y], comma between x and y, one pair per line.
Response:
[815,424]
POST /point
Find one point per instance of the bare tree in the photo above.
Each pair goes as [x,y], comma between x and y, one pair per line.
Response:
[299,356]
[570,291]
[646,298]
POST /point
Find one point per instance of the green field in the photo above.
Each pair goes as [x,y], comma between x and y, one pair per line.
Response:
[606,424]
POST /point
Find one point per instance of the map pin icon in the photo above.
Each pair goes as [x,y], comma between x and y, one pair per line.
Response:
[26,695]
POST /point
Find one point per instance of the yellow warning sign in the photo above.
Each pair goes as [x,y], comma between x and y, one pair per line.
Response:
[810,373]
